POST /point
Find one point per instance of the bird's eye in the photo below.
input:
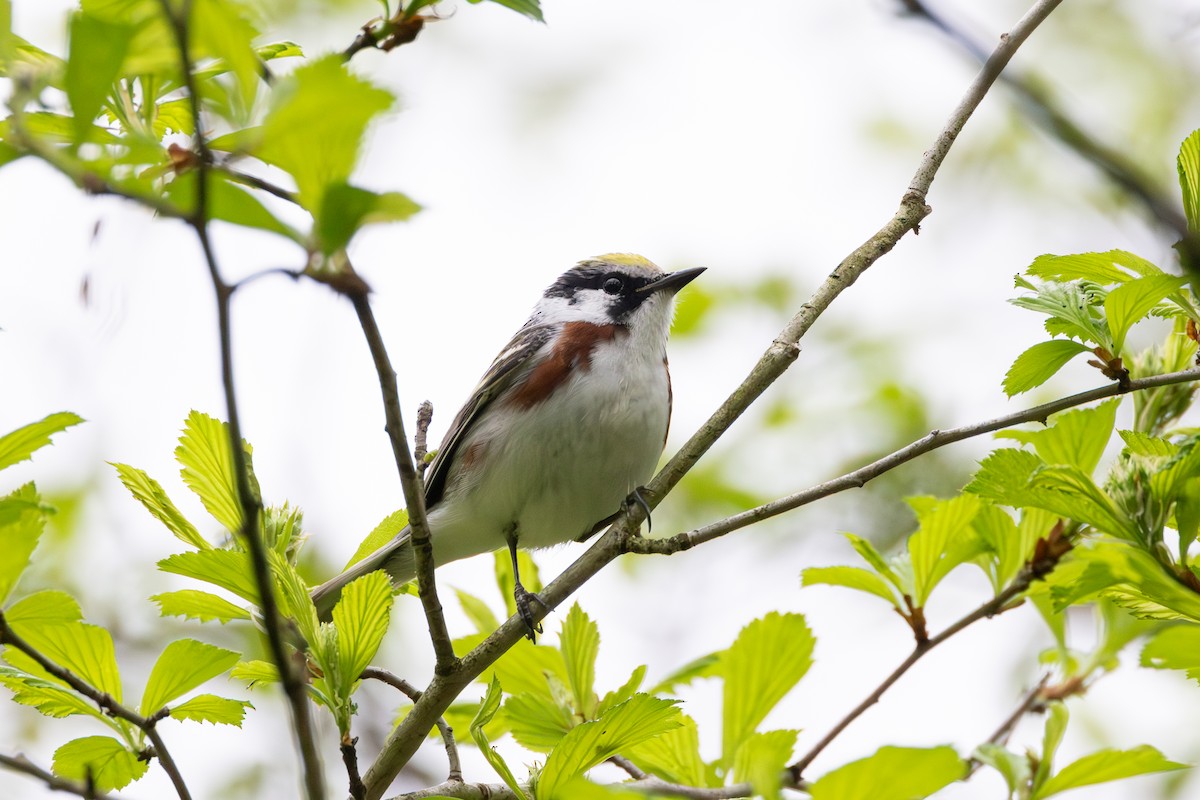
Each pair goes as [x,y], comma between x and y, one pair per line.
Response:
[613,285]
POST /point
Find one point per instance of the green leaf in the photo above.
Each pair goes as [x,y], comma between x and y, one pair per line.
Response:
[47,607]
[361,618]
[1040,363]
[1004,475]
[855,578]
[383,533]
[183,665]
[345,209]
[86,650]
[525,667]
[1070,493]
[706,666]
[198,605]
[477,611]
[220,30]
[626,691]
[1072,312]
[487,710]
[229,569]
[1130,577]
[529,8]
[537,722]
[228,202]
[1177,647]
[580,642]
[21,523]
[893,773]
[868,553]
[944,540]
[1095,267]
[1147,446]
[639,718]
[150,494]
[1107,765]
[1188,164]
[761,759]
[675,756]
[1130,302]
[767,659]
[253,672]
[101,761]
[212,709]
[1076,437]
[48,698]
[1057,717]
[24,441]
[206,459]
[302,137]
[96,53]
[1013,767]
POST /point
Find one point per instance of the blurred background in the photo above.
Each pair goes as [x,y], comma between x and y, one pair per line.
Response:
[764,141]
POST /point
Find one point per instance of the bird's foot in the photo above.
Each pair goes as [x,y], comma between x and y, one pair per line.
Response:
[635,498]
[525,601]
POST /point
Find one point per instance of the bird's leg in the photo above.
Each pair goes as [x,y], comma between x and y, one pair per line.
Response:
[635,498]
[521,596]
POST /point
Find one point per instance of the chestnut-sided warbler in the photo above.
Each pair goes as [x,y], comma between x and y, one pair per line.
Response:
[568,422]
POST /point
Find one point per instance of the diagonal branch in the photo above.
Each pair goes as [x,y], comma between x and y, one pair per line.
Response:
[20,763]
[407,736]
[251,505]
[105,702]
[859,477]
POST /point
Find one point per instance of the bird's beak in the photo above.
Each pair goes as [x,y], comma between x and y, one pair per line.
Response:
[672,281]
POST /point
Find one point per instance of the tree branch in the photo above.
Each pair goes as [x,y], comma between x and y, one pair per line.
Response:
[105,702]
[410,483]
[20,763]
[414,694]
[859,477]
[407,736]
[1032,702]
[251,505]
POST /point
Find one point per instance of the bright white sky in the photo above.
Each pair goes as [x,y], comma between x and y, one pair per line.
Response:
[695,133]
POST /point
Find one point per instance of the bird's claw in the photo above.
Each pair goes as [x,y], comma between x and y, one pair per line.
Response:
[635,498]
[524,600]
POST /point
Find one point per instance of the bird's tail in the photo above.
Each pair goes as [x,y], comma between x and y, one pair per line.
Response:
[396,557]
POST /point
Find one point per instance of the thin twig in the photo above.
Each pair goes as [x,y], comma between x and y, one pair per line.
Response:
[859,477]
[256,182]
[105,702]
[413,693]
[251,506]
[462,791]
[1032,702]
[350,759]
[631,769]
[404,740]
[20,763]
[421,440]
[991,608]
[410,484]
[294,274]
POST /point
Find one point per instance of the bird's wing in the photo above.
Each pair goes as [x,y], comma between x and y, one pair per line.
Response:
[514,361]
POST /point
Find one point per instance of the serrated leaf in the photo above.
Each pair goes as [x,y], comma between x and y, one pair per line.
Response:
[1003,476]
[101,761]
[1130,302]
[477,611]
[524,668]
[855,578]
[1072,311]
[21,523]
[47,607]
[1188,165]
[706,666]
[579,643]
[229,569]
[48,698]
[892,773]
[384,532]
[20,444]
[206,458]
[1107,765]
[1095,267]
[1077,437]
[761,759]
[1147,446]
[675,757]
[944,540]
[198,605]
[487,710]
[868,553]
[624,692]
[640,718]
[86,650]
[1070,493]
[1039,364]
[212,709]
[1177,647]
[150,494]
[94,58]
[299,135]
[345,209]
[767,659]
[536,721]
[253,672]
[183,665]
[361,618]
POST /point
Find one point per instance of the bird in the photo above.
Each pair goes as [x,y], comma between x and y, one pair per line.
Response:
[566,425]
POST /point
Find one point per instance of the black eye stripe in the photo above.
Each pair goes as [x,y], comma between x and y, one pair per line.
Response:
[595,278]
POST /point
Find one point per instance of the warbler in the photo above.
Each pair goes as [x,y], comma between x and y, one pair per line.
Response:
[569,421]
